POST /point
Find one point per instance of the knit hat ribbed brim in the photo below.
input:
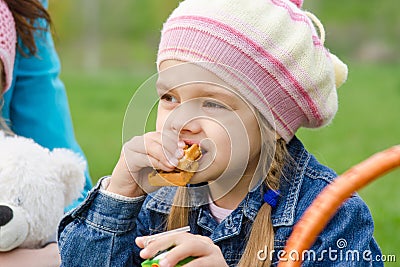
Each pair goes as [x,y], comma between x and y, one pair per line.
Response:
[8,39]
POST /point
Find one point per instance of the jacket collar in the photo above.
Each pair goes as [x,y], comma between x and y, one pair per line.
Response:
[250,205]
[157,201]
[291,182]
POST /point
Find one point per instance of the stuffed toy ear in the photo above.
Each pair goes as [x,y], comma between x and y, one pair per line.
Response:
[71,169]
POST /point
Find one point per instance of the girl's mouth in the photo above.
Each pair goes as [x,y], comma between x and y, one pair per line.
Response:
[190,142]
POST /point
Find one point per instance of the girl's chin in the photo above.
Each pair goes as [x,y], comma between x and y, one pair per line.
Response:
[198,178]
[205,162]
[201,177]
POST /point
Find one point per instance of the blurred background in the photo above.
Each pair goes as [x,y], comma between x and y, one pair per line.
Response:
[108,48]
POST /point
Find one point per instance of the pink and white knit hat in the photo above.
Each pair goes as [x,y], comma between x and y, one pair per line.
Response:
[271,42]
[8,40]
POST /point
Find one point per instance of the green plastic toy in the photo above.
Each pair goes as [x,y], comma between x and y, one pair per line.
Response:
[154,261]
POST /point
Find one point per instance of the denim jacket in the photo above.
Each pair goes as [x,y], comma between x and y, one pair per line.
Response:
[101,232]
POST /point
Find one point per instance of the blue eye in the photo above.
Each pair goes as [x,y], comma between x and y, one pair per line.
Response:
[213,104]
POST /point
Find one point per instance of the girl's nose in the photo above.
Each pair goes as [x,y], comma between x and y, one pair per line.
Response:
[185,118]
[191,126]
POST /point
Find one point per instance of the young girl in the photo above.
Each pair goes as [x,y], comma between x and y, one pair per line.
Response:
[239,78]
[30,85]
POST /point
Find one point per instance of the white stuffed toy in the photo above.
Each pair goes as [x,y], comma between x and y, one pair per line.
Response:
[35,186]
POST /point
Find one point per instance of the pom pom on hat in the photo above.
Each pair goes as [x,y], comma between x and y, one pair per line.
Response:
[8,40]
[291,76]
[341,71]
[298,3]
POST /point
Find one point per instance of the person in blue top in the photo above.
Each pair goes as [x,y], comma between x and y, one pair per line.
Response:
[36,106]
[238,78]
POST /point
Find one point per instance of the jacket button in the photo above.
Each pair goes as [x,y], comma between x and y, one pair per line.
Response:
[229,223]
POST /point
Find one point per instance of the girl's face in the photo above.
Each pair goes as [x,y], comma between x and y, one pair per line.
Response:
[198,107]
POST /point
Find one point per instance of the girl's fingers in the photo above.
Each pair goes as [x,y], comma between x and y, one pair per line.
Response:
[172,148]
[207,261]
[158,152]
[193,247]
[158,164]
[162,154]
[159,244]
[185,245]
[168,137]
[140,241]
[139,156]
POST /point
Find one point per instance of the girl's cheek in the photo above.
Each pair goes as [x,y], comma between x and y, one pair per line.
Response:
[164,119]
[161,117]
[160,121]
[158,126]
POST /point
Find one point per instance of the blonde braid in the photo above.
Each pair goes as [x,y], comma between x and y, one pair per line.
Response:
[179,214]
[262,232]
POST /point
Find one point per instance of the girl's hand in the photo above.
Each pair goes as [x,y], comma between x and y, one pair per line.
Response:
[139,157]
[206,253]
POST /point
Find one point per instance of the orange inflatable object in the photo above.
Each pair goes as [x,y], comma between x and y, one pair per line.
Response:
[316,217]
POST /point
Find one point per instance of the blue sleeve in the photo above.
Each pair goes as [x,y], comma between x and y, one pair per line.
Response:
[100,232]
[36,106]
